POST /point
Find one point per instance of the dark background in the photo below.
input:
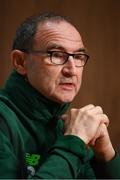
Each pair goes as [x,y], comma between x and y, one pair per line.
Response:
[99,24]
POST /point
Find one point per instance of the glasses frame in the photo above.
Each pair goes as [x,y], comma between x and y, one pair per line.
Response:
[50,53]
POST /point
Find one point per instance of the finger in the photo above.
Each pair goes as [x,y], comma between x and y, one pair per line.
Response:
[96,110]
[92,143]
[97,135]
[88,107]
[64,116]
[103,119]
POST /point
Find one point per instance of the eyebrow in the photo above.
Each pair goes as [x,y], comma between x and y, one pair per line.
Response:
[59,47]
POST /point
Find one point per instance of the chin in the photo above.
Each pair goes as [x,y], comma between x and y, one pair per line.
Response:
[68,100]
[65,100]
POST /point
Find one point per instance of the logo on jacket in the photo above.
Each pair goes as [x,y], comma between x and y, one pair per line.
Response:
[32,160]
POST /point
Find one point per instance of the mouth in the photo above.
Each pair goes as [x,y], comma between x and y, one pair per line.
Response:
[67,86]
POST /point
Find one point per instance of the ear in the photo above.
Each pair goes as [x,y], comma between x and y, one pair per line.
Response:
[19,61]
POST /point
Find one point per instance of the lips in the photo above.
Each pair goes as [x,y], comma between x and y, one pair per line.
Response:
[67,86]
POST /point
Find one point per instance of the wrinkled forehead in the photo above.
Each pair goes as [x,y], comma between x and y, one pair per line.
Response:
[61,33]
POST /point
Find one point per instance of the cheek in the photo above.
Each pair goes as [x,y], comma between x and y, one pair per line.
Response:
[43,78]
[79,78]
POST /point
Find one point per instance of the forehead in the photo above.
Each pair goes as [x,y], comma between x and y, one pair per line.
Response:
[62,34]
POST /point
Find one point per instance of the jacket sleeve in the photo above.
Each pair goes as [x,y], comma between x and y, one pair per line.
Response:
[12,161]
[9,163]
[108,170]
[65,161]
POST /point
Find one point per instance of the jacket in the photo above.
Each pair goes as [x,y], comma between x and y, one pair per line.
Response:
[32,143]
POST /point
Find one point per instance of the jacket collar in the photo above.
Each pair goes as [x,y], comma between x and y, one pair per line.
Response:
[30,102]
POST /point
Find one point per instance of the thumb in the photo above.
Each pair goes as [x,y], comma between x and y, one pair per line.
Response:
[64,117]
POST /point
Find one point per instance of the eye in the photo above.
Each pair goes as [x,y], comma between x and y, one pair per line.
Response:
[58,54]
[58,57]
[79,56]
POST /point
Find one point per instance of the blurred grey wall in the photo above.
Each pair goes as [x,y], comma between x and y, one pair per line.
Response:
[99,24]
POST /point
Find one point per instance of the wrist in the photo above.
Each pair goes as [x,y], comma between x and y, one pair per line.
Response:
[81,136]
[105,155]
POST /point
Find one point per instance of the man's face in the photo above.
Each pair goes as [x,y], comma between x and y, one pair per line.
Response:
[59,83]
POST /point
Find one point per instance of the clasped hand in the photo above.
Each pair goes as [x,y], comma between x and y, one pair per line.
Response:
[90,124]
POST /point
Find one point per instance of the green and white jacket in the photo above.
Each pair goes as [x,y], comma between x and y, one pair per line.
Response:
[32,144]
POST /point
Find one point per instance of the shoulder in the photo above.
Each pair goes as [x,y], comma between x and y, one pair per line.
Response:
[8,120]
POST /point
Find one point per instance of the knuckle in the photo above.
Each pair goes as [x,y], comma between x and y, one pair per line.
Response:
[91,105]
[106,118]
[88,113]
[99,108]
[73,110]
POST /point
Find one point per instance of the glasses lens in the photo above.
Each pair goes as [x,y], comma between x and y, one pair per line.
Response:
[80,59]
[58,57]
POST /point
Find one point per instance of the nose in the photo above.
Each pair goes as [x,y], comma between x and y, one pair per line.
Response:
[69,68]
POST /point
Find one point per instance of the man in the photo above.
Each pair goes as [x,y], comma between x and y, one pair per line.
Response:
[37,139]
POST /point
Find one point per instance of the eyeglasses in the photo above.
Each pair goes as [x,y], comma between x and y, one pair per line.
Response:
[60,57]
